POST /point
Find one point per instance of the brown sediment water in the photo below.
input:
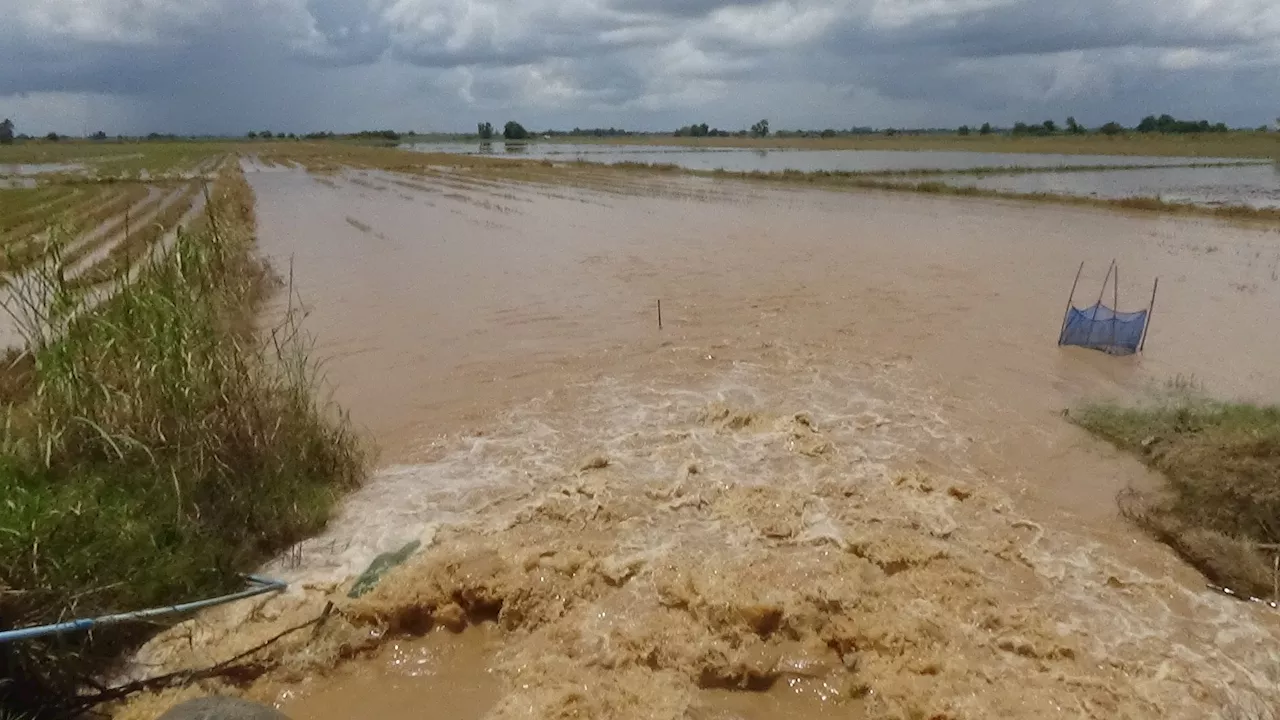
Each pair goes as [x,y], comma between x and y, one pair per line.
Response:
[438,675]
[837,482]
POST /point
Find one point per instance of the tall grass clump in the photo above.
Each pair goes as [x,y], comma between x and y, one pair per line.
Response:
[1220,509]
[162,446]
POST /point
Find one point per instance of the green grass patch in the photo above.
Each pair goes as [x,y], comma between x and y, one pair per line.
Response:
[1220,509]
[154,447]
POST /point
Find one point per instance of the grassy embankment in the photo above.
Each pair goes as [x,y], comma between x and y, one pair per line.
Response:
[153,447]
[1220,509]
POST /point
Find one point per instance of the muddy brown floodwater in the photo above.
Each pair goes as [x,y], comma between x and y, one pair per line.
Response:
[837,483]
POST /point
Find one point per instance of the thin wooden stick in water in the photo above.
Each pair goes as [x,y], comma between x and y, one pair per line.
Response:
[659,314]
[1115,306]
[1062,331]
[1146,326]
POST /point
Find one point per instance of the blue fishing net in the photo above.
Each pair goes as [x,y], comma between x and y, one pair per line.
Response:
[1101,328]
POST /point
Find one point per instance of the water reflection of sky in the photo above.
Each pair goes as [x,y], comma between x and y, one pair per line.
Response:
[1256,185]
[774,160]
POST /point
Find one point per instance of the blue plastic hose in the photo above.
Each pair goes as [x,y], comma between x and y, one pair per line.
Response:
[260,586]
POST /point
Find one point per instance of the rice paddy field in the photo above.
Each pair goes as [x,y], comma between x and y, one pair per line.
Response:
[660,443]
[99,208]
[1245,144]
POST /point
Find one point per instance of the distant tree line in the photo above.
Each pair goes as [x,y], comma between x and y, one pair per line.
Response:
[591,132]
[827,133]
[702,130]
[1165,124]
[760,129]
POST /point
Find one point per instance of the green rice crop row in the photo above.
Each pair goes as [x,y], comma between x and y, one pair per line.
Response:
[136,244]
[37,214]
[123,212]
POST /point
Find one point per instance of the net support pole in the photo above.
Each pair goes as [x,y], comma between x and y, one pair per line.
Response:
[1101,294]
[1115,307]
[1067,313]
[1150,308]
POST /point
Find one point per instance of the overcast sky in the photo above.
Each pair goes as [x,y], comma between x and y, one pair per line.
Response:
[228,66]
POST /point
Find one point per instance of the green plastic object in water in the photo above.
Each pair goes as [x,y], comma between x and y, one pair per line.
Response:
[379,567]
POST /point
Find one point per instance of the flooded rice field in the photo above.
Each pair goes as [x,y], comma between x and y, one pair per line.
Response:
[1255,186]
[836,482]
[1212,182]
[779,159]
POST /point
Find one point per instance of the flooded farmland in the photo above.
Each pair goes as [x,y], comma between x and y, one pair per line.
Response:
[837,481]
[780,159]
[1255,186]
[1211,182]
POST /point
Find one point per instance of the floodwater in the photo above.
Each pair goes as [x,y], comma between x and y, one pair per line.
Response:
[779,159]
[26,175]
[836,482]
[1256,186]
[26,169]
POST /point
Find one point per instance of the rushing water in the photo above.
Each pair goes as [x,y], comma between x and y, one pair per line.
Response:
[838,476]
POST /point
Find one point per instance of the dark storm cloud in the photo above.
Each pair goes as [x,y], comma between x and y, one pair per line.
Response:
[681,8]
[1050,27]
[227,64]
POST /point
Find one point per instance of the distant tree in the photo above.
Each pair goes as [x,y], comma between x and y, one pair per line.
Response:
[53,137]
[1073,127]
[696,130]
[963,131]
[485,130]
[252,135]
[266,134]
[98,136]
[1168,124]
[6,132]
[828,133]
[1020,128]
[1111,128]
[760,129]
[985,129]
[1050,126]
[514,131]
[293,136]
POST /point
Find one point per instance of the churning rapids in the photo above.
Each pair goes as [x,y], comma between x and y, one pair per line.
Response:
[837,483]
